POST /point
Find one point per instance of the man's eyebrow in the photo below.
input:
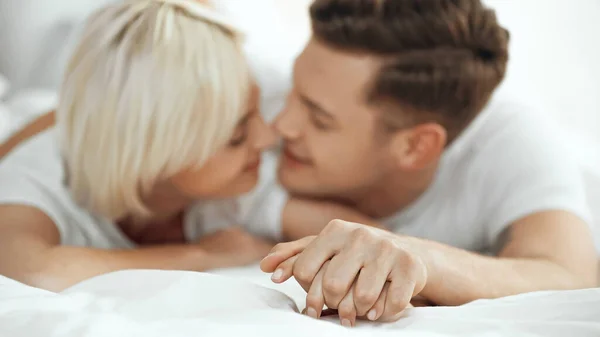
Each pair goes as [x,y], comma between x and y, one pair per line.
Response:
[316,107]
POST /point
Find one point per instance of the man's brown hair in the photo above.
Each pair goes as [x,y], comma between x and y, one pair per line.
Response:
[441,59]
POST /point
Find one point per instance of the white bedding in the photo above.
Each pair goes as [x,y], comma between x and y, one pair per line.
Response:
[243,302]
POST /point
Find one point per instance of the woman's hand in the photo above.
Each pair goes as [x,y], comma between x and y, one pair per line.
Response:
[358,270]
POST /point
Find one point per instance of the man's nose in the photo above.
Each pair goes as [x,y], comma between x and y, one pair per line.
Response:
[288,124]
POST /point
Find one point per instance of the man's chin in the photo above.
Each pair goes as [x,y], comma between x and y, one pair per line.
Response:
[296,187]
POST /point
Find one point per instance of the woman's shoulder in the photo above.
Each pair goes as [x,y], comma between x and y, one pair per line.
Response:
[37,156]
[32,173]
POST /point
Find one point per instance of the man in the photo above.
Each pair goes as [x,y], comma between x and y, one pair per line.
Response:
[392,113]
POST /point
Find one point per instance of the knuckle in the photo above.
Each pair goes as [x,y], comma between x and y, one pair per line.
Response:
[335,225]
[408,261]
[302,275]
[365,297]
[346,309]
[314,300]
[278,247]
[397,304]
[387,246]
[334,286]
[361,234]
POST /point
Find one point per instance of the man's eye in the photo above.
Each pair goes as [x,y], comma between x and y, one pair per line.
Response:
[318,124]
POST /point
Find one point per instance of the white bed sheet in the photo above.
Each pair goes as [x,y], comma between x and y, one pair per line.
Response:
[243,302]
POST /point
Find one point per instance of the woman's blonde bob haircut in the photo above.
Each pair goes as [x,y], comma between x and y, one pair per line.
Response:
[153,88]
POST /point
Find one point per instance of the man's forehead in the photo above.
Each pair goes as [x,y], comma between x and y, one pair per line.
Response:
[331,74]
[321,57]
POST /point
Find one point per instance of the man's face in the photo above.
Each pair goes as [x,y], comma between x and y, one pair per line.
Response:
[333,142]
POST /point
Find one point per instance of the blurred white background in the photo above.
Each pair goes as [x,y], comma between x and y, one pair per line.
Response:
[555,49]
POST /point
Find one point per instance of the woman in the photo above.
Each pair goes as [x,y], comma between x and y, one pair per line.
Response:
[157,113]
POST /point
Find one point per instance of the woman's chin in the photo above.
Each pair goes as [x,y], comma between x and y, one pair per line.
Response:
[240,187]
[248,184]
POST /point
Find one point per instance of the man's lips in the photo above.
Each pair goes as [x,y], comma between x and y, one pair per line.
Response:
[292,156]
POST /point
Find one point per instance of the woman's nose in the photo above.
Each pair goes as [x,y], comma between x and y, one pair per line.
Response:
[265,135]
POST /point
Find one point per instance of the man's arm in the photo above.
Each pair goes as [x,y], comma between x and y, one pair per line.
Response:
[30,253]
[304,217]
[550,250]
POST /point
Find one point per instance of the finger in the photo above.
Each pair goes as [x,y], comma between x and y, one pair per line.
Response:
[339,277]
[282,252]
[396,317]
[420,301]
[369,285]
[314,296]
[322,248]
[312,258]
[284,271]
[398,298]
[378,308]
[347,310]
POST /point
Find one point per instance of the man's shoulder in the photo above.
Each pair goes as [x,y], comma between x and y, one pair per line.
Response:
[512,162]
[510,134]
[514,154]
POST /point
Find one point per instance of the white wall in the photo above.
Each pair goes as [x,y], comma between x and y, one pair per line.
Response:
[555,48]
[31,32]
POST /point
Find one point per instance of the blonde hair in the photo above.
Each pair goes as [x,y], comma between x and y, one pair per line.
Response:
[154,87]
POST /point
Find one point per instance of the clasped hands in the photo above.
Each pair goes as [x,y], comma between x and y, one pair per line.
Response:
[361,271]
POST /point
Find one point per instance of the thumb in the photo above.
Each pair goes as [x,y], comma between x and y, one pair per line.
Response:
[283,251]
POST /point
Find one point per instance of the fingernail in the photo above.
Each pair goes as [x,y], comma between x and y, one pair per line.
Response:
[277,275]
[311,313]
[346,323]
[372,315]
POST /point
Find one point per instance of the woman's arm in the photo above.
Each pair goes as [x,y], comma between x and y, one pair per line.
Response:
[30,252]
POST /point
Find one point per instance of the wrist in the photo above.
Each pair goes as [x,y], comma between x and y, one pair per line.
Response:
[426,252]
[203,259]
[195,258]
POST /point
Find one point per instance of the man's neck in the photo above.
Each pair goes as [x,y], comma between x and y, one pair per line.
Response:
[393,193]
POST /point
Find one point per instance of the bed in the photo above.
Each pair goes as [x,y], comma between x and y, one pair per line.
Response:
[243,302]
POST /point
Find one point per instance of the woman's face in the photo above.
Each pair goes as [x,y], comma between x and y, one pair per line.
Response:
[234,169]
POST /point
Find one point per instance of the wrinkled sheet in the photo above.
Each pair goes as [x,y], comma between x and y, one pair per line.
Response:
[243,302]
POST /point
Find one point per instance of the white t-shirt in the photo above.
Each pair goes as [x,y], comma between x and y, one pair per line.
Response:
[509,163]
[33,175]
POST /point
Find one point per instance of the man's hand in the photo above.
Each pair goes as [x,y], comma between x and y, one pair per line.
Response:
[356,269]
[235,247]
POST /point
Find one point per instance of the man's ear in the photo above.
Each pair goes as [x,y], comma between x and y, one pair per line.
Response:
[419,146]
